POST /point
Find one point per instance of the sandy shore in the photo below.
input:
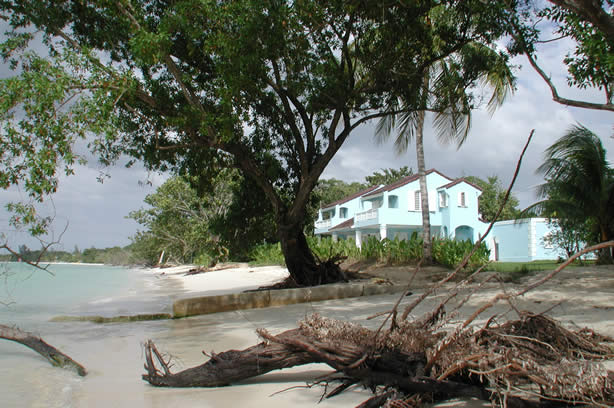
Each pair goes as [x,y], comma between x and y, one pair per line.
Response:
[226,278]
[578,297]
[113,355]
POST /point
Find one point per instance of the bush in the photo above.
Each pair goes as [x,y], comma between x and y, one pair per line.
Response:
[446,251]
[450,253]
[267,254]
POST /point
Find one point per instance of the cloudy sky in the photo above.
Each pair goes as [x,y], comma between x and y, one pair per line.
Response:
[95,213]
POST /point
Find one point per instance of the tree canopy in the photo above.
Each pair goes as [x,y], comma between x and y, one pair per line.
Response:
[271,88]
[589,26]
[579,188]
[492,197]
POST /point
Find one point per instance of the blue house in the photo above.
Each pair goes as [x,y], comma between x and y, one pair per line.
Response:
[394,211]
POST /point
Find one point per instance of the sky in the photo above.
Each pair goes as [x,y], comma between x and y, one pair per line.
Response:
[94,214]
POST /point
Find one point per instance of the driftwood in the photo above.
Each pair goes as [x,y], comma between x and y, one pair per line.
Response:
[53,355]
[532,361]
[529,362]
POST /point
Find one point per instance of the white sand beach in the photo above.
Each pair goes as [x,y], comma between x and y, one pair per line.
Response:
[113,355]
[221,280]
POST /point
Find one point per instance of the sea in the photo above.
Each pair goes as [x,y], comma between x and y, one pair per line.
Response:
[112,353]
[30,298]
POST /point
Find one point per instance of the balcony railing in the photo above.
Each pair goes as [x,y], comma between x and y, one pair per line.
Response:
[323,224]
[367,215]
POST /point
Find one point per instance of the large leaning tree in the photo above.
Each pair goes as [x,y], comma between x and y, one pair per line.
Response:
[271,88]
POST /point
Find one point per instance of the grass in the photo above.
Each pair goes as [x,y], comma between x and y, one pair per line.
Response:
[534,266]
[515,271]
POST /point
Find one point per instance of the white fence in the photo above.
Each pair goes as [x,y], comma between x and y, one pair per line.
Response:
[367,215]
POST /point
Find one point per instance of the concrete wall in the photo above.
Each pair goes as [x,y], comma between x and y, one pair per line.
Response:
[521,241]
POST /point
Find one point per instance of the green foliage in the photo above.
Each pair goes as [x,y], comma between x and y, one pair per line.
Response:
[330,190]
[450,253]
[592,62]
[492,197]
[326,248]
[579,188]
[567,236]
[446,252]
[388,176]
[267,254]
[178,221]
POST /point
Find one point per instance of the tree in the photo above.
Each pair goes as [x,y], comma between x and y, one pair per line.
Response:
[270,88]
[446,91]
[246,222]
[179,222]
[569,237]
[493,194]
[589,24]
[388,176]
[579,185]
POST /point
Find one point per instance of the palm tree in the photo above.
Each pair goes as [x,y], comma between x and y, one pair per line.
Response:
[445,92]
[579,184]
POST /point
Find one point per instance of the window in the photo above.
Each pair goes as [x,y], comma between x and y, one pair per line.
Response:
[393,201]
[462,201]
[417,201]
[343,212]
[443,199]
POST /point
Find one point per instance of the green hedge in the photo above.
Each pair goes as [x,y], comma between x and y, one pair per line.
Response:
[446,251]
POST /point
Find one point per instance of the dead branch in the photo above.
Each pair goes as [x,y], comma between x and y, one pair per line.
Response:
[53,355]
[465,260]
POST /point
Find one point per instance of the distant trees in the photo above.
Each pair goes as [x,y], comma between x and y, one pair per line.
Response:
[178,222]
[388,176]
[110,256]
[492,197]
[579,188]
[203,221]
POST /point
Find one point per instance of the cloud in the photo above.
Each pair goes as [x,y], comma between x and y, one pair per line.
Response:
[494,142]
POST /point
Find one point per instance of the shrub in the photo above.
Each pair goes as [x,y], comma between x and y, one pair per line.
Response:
[267,254]
[450,253]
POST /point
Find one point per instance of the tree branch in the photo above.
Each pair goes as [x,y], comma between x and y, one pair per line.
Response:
[53,355]
[565,101]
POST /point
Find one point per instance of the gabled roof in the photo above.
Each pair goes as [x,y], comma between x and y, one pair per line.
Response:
[345,224]
[403,182]
[349,198]
[458,181]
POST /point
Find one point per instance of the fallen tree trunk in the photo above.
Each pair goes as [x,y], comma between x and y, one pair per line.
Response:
[53,355]
[294,348]
[419,361]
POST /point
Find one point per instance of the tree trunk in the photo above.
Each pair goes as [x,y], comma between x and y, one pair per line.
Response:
[53,355]
[304,268]
[293,348]
[427,244]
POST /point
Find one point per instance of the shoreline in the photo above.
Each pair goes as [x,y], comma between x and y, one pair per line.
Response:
[219,281]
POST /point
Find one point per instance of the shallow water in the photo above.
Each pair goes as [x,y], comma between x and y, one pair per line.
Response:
[112,353]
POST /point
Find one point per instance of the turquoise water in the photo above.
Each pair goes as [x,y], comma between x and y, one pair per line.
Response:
[112,353]
[33,295]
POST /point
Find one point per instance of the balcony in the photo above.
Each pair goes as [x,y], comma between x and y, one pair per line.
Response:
[366,215]
[323,224]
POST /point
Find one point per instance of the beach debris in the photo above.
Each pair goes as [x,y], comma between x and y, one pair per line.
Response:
[529,361]
[34,342]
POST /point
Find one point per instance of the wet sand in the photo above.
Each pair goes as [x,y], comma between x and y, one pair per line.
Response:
[113,354]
